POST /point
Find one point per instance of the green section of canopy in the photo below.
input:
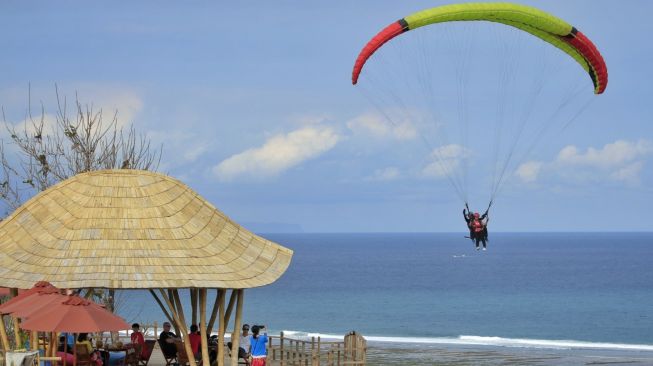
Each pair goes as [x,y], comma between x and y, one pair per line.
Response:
[534,21]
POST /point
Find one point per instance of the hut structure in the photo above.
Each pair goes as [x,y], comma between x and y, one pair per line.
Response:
[132,229]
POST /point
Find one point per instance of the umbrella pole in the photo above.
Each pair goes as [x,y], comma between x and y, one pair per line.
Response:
[65,349]
[75,350]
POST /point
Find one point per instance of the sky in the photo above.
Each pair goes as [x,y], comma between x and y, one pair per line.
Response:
[254,107]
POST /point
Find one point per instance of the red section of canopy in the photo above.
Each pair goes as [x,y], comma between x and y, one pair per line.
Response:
[589,51]
[74,314]
[23,298]
[382,37]
[33,303]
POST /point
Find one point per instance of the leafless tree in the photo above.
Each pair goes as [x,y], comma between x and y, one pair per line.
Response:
[42,152]
[47,152]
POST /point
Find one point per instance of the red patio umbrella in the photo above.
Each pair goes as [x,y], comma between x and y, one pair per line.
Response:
[76,315]
[38,287]
[32,303]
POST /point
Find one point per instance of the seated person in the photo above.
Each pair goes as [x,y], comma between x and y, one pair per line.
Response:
[243,345]
[82,338]
[63,345]
[137,338]
[167,341]
[195,340]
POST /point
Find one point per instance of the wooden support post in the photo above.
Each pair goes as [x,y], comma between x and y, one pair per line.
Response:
[313,351]
[170,302]
[281,358]
[221,329]
[177,326]
[235,342]
[230,306]
[193,304]
[18,340]
[163,308]
[33,340]
[3,334]
[182,319]
[205,343]
[214,312]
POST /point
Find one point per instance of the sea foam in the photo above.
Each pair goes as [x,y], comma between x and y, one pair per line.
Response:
[486,341]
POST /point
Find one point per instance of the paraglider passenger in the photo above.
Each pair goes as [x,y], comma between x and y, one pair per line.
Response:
[477,228]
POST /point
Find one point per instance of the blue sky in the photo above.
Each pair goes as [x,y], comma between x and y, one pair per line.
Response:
[253,104]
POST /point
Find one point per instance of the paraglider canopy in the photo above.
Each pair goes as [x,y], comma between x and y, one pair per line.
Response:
[532,20]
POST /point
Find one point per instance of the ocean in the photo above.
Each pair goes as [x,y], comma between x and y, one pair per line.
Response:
[555,291]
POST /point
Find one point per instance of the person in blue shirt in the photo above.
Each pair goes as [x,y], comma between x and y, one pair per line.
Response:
[258,346]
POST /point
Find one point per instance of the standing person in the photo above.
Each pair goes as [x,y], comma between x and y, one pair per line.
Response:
[243,347]
[167,341]
[195,340]
[258,346]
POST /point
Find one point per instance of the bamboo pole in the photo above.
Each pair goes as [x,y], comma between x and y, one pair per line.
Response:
[34,340]
[230,306]
[193,304]
[169,301]
[19,341]
[179,320]
[180,310]
[3,334]
[214,312]
[205,343]
[235,342]
[178,328]
[221,330]
[163,308]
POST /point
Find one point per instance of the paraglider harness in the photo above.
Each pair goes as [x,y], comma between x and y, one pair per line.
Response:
[476,230]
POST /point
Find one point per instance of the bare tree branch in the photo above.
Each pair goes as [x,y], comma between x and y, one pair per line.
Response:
[46,150]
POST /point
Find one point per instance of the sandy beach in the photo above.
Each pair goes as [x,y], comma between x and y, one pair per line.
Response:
[407,355]
[384,354]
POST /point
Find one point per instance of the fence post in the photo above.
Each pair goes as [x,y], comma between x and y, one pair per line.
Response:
[281,349]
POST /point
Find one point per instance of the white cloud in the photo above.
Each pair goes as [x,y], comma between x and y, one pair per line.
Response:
[629,173]
[529,171]
[445,160]
[386,174]
[611,155]
[378,126]
[278,154]
[620,161]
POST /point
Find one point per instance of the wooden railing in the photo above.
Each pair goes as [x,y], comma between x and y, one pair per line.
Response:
[286,351]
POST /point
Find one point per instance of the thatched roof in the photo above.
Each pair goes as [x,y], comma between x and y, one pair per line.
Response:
[131,229]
